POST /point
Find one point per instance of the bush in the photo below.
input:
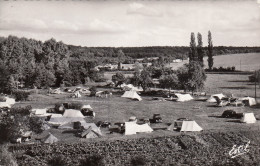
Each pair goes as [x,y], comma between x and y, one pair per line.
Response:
[24,111]
[93,91]
[36,124]
[6,157]
[138,161]
[59,160]
[94,160]
[2,99]
[20,95]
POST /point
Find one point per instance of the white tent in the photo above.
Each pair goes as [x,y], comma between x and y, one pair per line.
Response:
[71,113]
[92,125]
[130,87]
[248,118]
[39,111]
[50,139]
[213,100]
[183,97]
[8,103]
[131,95]
[76,94]
[190,126]
[86,107]
[249,101]
[58,119]
[133,128]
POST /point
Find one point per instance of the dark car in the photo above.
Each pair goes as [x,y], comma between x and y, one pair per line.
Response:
[229,114]
[156,118]
[178,123]
[104,124]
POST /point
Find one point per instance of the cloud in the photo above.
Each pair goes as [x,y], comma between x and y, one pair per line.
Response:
[140,9]
[61,26]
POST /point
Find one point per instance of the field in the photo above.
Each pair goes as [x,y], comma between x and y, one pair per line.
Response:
[117,109]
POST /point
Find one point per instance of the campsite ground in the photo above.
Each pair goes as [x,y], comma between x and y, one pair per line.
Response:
[117,109]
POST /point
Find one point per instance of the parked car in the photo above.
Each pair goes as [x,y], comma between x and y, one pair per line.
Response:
[156,118]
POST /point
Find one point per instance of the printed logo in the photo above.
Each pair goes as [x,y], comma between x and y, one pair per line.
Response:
[239,150]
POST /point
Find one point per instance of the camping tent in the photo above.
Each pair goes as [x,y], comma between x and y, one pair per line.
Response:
[183,97]
[86,107]
[76,94]
[39,111]
[8,102]
[50,139]
[71,113]
[213,100]
[131,95]
[90,133]
[248,118]
[248,101]
[130,87]
[133,128]
[58,119]
[93,127]
[190,126]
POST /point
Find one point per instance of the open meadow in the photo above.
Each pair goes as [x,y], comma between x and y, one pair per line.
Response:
[117,109]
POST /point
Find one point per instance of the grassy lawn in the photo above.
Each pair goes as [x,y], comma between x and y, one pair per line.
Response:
[117,109]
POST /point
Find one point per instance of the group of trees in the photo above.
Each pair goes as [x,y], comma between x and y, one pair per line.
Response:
[36,64]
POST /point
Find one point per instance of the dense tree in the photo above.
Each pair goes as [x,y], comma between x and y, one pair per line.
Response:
[193,55]
[145,79]
[192,76]
[169,81]
[200,49]
[118,78]
[210,51]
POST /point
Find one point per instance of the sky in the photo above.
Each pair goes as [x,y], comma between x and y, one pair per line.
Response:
[133,23]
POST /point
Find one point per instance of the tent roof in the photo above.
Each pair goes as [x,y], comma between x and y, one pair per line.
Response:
[190,126]
[50,139]
[132,95]
[86,106]
[71,113]
[133,128]
[248,118]
[251,101]
[39,111]
[212,99]
[183,97]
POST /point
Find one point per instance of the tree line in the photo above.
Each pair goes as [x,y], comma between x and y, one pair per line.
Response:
[34,63]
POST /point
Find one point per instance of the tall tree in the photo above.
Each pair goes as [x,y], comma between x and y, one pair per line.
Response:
[118,78]
[193,55]
[210,51]
[200,49]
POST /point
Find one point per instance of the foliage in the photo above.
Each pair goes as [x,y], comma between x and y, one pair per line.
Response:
[192,76]
[118,78]
[138,161]
[222,69]
[23,111]
[200,50]
[210,51]
[94,160]
[58,160]
[6,157]
[169,81]
[142,79]
[20,95]
[197,76]
[93,91]
[193,55]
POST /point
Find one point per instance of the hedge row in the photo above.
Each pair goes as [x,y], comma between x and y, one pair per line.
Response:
[202,149]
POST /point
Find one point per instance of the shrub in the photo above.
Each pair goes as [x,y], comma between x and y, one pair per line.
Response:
[94,160]
[36,124]
[21,110]
[93,91]
[2,99]
[138,161]
[20,95]
[6,157]
[57,161]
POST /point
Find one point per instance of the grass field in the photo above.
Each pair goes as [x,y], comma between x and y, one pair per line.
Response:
[117,109]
